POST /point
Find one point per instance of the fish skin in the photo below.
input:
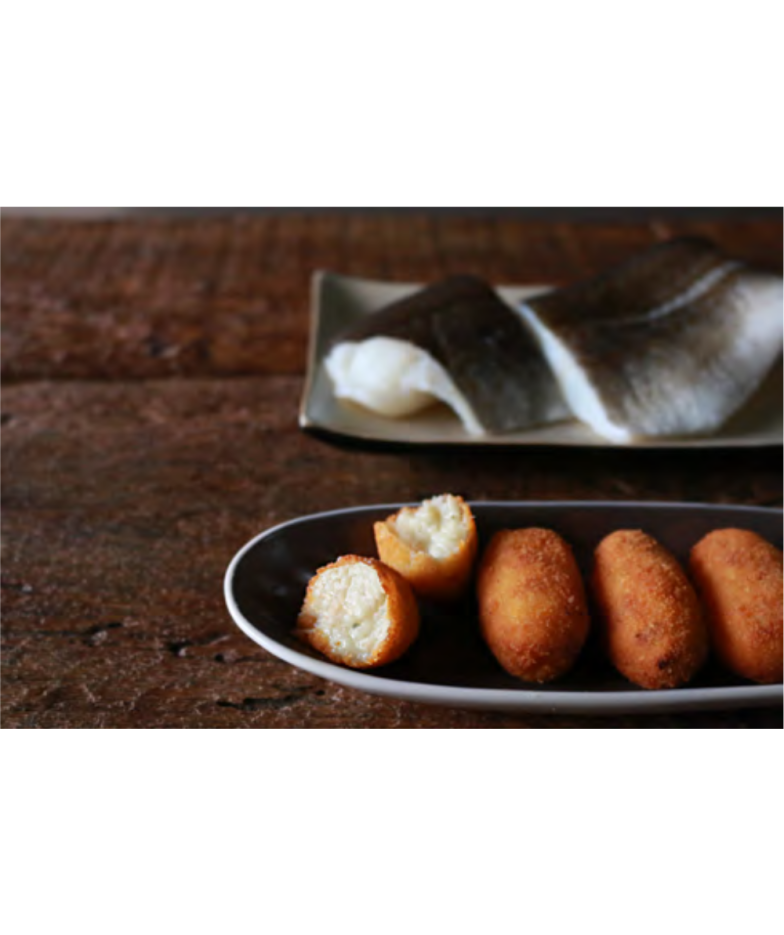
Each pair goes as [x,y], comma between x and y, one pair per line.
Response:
[673,342]
[487,350]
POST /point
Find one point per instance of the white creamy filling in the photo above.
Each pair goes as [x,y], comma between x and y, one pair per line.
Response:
[438,527]
[395,378]
[351,608]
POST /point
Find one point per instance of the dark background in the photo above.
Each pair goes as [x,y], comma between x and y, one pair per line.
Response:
[632,215]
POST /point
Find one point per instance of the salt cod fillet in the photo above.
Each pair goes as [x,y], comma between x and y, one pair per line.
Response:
[673,342]
[455,341]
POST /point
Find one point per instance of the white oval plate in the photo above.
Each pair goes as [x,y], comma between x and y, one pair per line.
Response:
[449,664]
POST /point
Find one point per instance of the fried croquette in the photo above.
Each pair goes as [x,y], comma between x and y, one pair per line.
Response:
[359,613]
[739,577]
[433,546]
[532,608]
[652,623]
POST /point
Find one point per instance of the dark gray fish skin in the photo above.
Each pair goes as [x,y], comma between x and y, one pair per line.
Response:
[483,344]
[646,281]
[667,341]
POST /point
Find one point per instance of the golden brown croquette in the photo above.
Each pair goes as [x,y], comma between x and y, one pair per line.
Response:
[532,609]
[739,578]
[652,624]
[359,613]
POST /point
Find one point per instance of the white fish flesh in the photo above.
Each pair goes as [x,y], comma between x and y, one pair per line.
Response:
[671,343]
[456,342]
[394,378]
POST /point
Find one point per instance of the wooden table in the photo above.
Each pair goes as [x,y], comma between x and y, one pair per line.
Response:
[152,369]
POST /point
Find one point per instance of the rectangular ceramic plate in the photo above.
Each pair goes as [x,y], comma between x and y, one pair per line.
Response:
[337,302]
[449,664]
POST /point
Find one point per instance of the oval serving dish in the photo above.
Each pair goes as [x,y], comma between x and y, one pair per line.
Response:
[450,665]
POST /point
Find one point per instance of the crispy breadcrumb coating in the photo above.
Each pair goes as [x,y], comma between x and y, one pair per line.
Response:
[739,577]
[652,623]
[532,608]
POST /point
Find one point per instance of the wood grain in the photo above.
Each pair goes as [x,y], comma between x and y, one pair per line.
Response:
[152,372]
[229,296]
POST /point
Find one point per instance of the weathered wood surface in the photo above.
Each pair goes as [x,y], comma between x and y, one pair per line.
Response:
[133,467]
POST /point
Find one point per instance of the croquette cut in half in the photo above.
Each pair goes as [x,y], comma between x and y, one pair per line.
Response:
[359,613]
[532,608]
[652,623]
[738,574]
[433,546]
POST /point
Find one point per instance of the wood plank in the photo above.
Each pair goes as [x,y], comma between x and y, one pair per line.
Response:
[227,296]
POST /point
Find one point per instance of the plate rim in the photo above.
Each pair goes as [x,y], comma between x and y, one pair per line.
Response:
[633,701]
